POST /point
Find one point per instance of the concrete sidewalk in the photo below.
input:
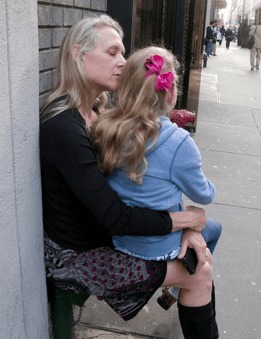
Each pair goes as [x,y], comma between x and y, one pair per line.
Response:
[229,137]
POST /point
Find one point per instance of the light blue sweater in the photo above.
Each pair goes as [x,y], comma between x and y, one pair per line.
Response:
[174,167]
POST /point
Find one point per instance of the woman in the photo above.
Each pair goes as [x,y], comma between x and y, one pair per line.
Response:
[80,210]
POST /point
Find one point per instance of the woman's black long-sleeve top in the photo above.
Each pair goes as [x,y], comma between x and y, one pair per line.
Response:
[80,210]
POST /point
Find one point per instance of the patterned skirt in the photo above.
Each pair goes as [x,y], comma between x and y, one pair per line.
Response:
[124,282]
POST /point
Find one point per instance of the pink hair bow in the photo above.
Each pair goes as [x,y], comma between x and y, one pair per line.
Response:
[163,81]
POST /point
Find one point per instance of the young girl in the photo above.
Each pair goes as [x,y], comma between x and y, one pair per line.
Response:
[150,161]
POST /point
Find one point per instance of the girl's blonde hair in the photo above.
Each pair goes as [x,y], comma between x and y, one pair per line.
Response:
[121,133]
[71,86]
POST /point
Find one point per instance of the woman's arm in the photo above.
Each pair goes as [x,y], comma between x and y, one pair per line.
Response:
[193,218]
[68,151]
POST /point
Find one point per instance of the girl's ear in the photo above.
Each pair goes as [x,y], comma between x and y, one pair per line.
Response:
[169,96]
[74,51]
[172,96]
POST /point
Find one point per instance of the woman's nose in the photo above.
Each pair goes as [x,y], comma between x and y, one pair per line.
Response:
[122,61]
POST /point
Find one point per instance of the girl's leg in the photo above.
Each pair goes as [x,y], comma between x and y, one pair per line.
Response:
[211,233]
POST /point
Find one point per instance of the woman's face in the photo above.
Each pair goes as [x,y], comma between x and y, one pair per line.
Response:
[103,65]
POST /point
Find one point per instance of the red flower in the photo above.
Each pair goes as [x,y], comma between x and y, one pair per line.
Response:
[182,117]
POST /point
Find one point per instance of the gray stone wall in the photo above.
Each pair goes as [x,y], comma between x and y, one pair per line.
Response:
[55,17]
[23,299]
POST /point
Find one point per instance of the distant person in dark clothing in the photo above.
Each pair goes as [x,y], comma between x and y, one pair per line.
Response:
[209,37]
[229,37]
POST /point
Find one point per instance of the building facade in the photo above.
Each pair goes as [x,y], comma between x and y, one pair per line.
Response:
[179,25]
[249,10]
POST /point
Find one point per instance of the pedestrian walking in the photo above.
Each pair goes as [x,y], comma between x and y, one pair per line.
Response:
[255,50]
[229,37]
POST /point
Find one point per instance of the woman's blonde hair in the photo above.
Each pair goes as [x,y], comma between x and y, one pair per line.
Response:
[121,133]
[71,86]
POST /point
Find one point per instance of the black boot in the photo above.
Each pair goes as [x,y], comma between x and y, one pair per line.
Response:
[213,301]
[196,322]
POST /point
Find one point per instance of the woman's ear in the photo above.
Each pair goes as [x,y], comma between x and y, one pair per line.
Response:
[74,51]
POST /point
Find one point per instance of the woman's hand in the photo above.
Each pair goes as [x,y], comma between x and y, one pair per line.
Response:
[194,240]
[193,218]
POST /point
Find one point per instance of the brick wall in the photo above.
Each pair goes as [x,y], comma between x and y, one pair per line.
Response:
[55,17]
